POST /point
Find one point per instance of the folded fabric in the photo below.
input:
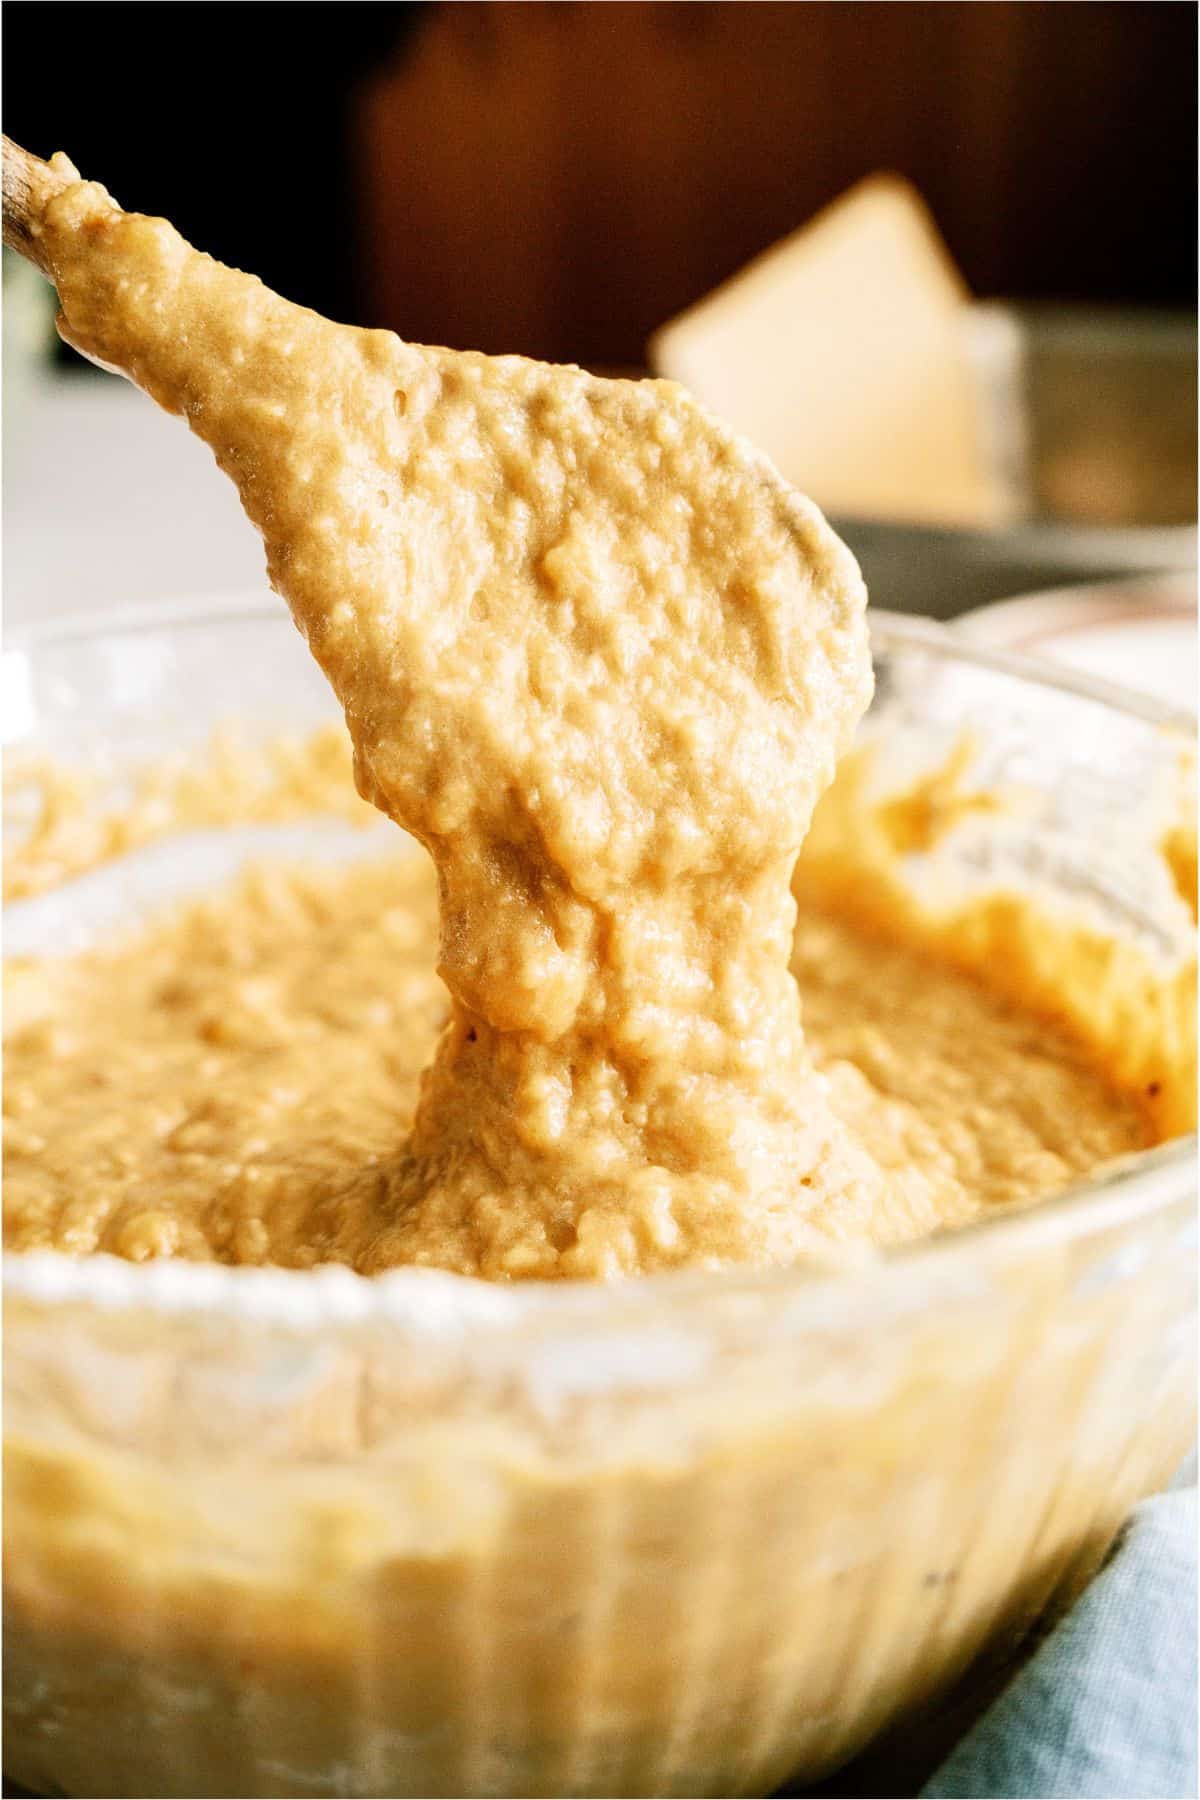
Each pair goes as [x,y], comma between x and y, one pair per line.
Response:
[1106,1707]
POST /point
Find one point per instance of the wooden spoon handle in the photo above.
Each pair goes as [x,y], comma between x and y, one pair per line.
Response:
[29,184]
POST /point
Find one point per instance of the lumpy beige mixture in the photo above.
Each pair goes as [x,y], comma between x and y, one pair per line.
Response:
[601,661]
[250,1103]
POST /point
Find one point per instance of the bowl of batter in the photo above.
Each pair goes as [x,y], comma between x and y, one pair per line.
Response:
[611,1216]
[280,1523]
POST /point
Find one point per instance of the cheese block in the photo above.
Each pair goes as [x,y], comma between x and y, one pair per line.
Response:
[842,352]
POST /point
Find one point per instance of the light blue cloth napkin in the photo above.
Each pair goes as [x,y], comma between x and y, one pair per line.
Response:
[1106,1708]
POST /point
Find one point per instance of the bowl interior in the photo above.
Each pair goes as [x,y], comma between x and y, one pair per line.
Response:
[106,696]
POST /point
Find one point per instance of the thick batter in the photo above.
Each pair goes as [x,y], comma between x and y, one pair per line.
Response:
[601,661]
[265,1070]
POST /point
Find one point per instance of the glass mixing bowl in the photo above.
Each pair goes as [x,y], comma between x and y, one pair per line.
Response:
[277,1533]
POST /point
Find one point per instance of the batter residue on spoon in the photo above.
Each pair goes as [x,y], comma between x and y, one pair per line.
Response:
[601,661]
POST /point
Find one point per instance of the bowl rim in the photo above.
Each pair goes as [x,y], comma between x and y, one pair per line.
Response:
[1129,1191]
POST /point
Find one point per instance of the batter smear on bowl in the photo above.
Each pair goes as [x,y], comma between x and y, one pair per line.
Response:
[602,662]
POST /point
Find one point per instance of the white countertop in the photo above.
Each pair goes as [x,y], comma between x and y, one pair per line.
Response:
[108,502]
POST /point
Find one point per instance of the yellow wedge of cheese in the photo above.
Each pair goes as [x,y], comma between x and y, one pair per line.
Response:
[842,352]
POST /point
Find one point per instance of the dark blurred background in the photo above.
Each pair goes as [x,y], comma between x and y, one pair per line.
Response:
[559,179]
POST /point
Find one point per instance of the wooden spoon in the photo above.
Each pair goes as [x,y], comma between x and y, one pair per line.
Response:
[29,185]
